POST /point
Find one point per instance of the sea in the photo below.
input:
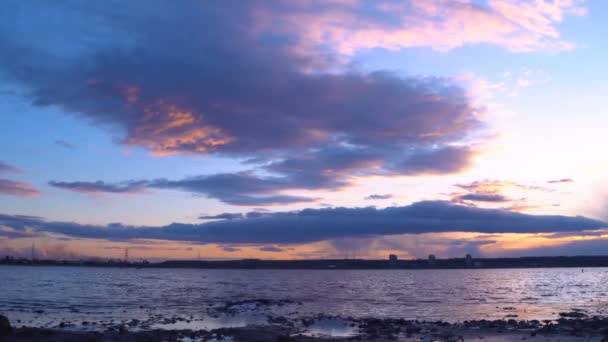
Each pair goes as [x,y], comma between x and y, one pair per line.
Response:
[47,295]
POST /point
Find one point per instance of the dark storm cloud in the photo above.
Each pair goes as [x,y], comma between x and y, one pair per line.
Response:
[311,225]
[202,77]
[100,187]
[378,197]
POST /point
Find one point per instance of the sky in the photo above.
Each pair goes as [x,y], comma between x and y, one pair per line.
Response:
[303,129]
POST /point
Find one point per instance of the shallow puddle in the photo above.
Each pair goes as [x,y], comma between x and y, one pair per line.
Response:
[212,323]
[331,328]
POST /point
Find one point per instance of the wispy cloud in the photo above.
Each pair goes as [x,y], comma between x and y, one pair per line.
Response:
[560,181]
[324,169]
[128,187]
[15,188]
[65,144]
[8,168]
[519,26]
[484,197]
[272,249]
[378,197]
[223,216]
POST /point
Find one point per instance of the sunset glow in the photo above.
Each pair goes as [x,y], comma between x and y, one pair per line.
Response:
[303,129]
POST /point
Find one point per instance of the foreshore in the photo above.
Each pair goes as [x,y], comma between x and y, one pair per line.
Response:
[572,326]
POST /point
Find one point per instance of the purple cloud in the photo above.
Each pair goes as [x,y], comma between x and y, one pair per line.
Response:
[8,168]
[15,188]
[223,216]
[128,187]
[312,225]
[306,119]
[272,249]
[484,197]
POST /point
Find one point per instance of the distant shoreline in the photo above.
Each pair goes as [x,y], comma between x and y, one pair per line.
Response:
[335,264]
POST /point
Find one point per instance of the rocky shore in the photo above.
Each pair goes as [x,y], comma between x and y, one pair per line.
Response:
[571,326]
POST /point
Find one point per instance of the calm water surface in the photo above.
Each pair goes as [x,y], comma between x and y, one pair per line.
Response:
[83,293]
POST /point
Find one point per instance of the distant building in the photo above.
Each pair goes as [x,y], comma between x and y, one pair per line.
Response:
[392,260]
[432,259]
[468,261]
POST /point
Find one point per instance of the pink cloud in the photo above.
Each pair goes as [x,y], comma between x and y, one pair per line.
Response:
[9,187]
[442,25]
[8,168]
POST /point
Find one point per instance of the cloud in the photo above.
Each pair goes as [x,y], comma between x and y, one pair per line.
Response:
[560,181]
[195,101]
[520,26]
[490,192]
[258,212]
[592,247]
[244,188]
[223,216]
[128,187]
[312,225]
[272,249]
[484,197]
[236,188]
[230,249]
[275,88]
[65,144]
[8,168]
[378,197]
[326,170]
[304,120]
[15,188]
[493,186]
[14,233]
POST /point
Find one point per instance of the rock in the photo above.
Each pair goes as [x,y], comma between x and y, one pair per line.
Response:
[573,314]
[122,330]
[5,326]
